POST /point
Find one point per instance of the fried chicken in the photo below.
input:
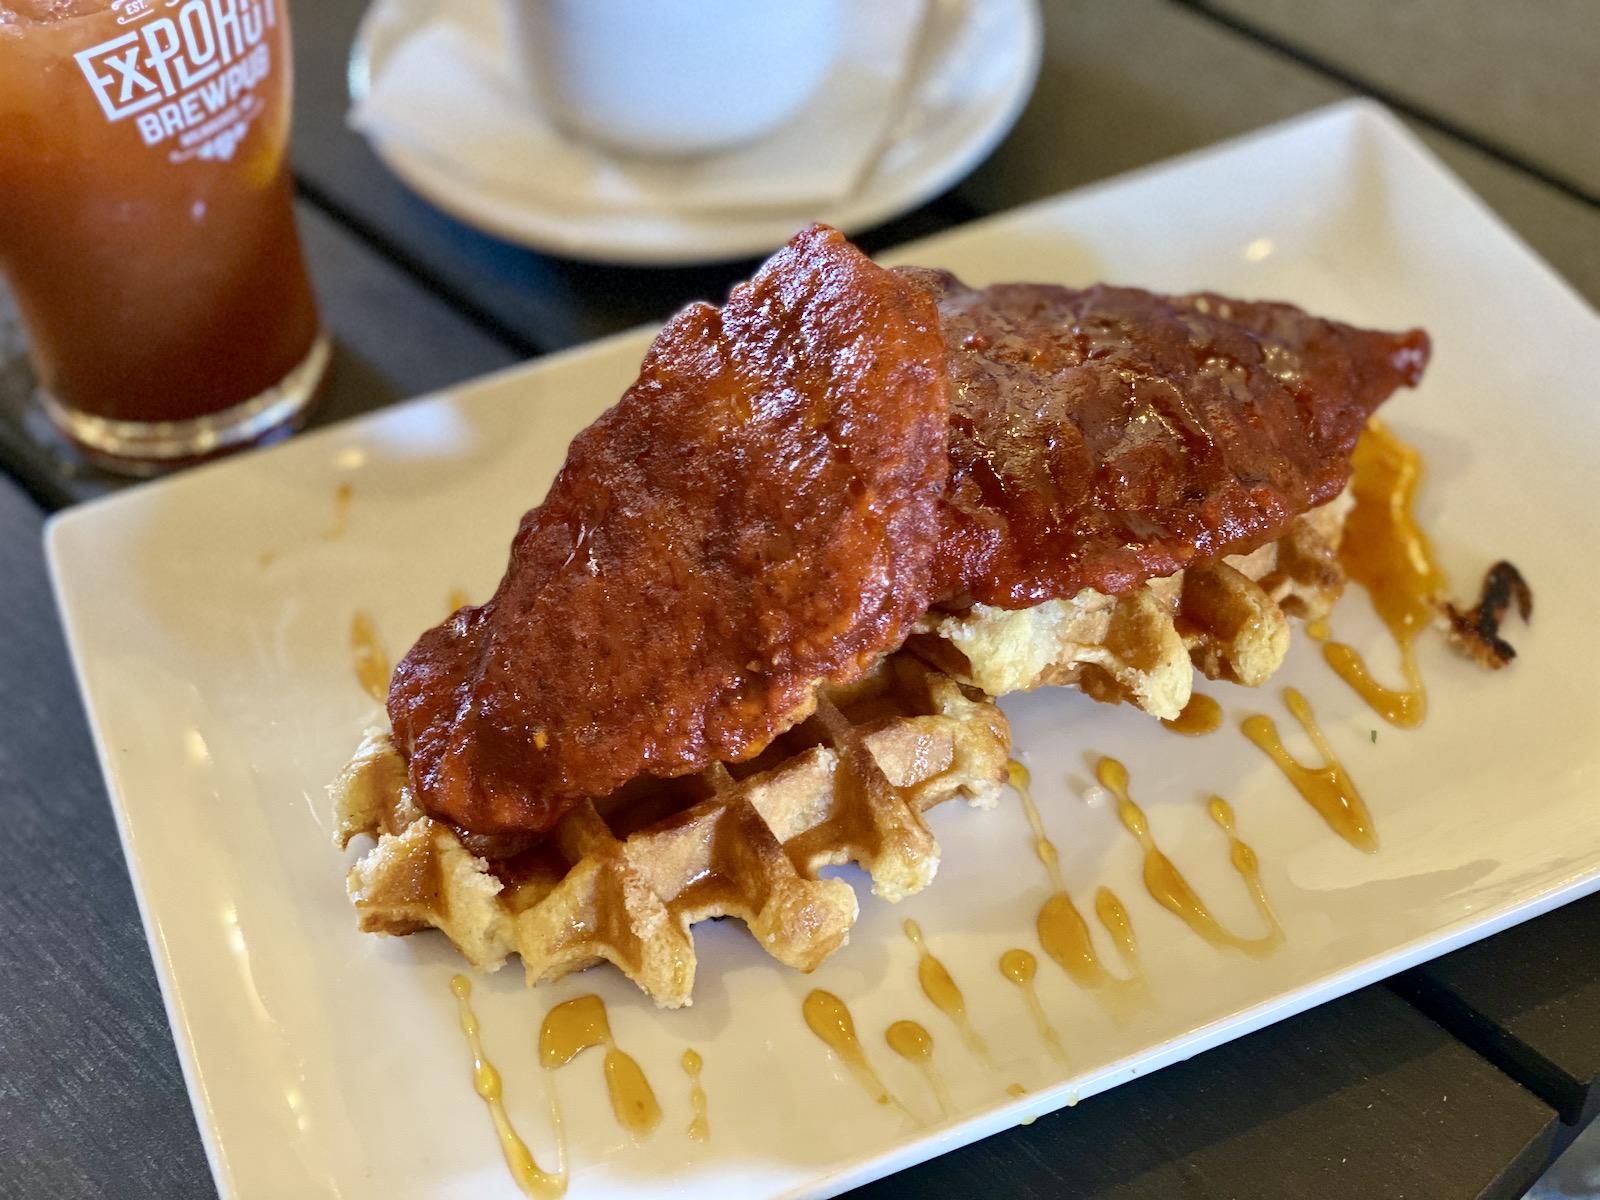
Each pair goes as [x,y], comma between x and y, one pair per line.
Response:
[796,478]
[1105,437]
[1142,485]
[757,515]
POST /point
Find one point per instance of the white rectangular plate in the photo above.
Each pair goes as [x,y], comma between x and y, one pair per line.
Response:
[209,616]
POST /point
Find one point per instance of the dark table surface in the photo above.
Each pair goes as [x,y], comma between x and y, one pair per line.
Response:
[1458,1079]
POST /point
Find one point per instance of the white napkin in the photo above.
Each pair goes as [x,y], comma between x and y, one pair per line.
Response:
[451,92]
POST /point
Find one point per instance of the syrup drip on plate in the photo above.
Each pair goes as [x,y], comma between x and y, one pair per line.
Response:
[1202,715]
[942,990]
[700,1127]
[1244,861]
[371,661]
[1327,788]
[1173,892]
[573,1027]
[914,1044]
[533,1181]
[830,1020]
[1384,550]
[341,522]
[1019,966]
[341,512]
[1063,932]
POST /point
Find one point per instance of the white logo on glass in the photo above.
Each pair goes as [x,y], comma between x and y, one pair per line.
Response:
[170,55]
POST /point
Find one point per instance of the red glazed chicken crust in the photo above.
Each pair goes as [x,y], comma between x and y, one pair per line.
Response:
[755,517]
[795,479]
[1104,437]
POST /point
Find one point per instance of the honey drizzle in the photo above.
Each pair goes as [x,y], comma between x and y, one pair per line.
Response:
[573,1027]
[914,1044]
[1328,788]
[1019,967]
[1202,715]
[534,1181]
[1173,892]
[371,661]
[341,512]
[1021,781]
[1117,923]
[942,990]
[1063,932]
[829,1019]
[1384,550]
[699,1128]
[1403,708]
[1244,861]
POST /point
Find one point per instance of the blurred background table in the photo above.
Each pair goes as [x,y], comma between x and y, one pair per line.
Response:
[1459,1080]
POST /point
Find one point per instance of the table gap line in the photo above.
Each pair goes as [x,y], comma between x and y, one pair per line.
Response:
[1492,1041]
[1393,100]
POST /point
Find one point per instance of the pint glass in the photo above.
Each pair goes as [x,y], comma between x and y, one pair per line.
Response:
[146,227]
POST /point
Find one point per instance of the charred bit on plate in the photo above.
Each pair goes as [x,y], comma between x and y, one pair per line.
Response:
[1477,630]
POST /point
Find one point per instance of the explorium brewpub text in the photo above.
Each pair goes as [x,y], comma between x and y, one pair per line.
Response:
[187,74]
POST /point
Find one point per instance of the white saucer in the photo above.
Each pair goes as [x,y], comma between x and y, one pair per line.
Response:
[974,70]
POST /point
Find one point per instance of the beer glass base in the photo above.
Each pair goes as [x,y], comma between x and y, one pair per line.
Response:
[151,447]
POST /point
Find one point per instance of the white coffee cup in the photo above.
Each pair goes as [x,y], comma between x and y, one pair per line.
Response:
[673,77]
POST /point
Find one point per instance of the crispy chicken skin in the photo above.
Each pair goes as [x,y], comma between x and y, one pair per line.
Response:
[797,477]
[1104,437]
[757,514]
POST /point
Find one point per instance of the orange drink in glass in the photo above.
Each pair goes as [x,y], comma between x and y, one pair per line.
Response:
[146,224]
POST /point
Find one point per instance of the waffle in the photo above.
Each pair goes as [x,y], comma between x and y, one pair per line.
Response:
[622,879]
[1229,620]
